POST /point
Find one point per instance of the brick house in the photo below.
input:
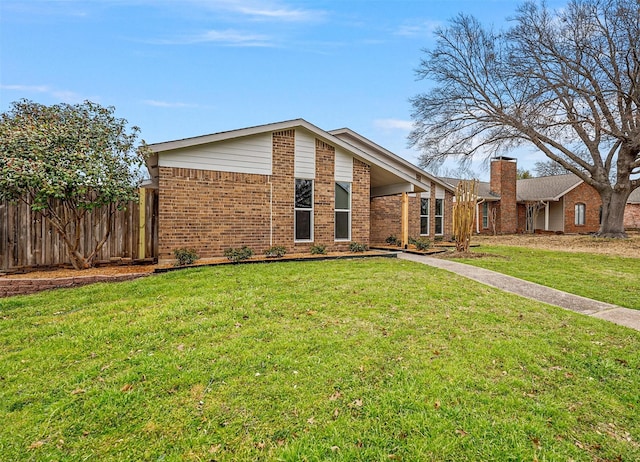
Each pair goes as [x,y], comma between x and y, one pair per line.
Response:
[289,184]
[632,211]
[560,203]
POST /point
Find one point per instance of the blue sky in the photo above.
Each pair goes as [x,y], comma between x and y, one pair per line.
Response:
[181,68]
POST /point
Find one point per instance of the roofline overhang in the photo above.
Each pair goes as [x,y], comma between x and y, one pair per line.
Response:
[392,156]
[328,137]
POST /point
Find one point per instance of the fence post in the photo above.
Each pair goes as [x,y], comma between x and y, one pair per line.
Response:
[142,195]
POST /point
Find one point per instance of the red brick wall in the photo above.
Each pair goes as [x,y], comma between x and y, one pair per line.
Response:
[584,194]
[503,183]
[211,211]
[632,216]
[386,218]
[360,204]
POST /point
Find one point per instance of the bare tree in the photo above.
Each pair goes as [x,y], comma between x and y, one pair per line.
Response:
[549,168]
[566,81]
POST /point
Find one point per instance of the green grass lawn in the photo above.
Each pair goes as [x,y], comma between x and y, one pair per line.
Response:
[369,360]
[600,277]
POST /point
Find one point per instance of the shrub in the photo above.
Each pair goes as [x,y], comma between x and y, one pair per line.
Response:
[319,249]
[393,240]
[422,243]
[277,251]
[236,255]
[185,256]
[357,247]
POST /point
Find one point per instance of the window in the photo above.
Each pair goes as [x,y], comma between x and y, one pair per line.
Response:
[485,215]
[424,216]
[439,216]
[303,223]
[580,209]
[343,211]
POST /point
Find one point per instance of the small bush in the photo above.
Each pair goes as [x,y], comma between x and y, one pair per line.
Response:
[422,243]
[185,256]
[393,240]
[357,247]
[276,251]
[236,255]
[319,249]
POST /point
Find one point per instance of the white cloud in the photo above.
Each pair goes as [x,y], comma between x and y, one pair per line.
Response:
[424,28]
[66,96]
[393,124]
[282,14]
[156,103]
[270,10]
[228,37]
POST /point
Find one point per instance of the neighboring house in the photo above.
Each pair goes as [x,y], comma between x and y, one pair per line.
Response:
[289,184]
[632,211]
[560,203]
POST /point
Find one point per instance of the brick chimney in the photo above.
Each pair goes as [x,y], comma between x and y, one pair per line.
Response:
[503,184]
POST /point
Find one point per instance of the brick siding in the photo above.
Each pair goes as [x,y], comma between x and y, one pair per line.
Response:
[386,216]
[503,183]
[211,211]
[632,216]
[583,194]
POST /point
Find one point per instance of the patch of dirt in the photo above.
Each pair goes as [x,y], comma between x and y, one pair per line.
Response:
[73,273]
[567,242]
[116,270]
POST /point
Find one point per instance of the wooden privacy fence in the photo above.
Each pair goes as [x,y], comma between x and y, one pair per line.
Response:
[27,240]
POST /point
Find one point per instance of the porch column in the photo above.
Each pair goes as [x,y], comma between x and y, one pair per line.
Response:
[405,220]
[546,216]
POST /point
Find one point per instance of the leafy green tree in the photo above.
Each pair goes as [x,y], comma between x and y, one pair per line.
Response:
[566,81]
[66,161]
[523,174]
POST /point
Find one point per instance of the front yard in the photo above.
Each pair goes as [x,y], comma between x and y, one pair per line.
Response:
[601,269]
[338,360]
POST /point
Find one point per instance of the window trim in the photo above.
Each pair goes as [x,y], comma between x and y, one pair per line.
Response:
[337,210]
[485,215]
[579,214]
[441,216]
[306,209]
[427,216]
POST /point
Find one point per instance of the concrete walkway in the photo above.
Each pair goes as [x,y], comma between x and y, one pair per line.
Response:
[614,313]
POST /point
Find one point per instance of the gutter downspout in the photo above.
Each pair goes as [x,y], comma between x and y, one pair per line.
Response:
[478,215]
[270,213]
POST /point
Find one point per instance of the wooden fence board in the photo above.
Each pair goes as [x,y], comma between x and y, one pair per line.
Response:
[27,239]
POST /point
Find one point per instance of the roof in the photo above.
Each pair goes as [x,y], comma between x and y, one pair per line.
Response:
[546,188]
[389,172]
[484,188]
[634,197]
[360,142]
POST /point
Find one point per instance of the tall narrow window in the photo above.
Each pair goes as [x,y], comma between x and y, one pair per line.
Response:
[580,209]
[303,226]
[439,216]
[343,211]
[485,215]
[424,216]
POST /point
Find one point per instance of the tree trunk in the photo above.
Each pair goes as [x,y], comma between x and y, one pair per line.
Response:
[612,221]
[78,261]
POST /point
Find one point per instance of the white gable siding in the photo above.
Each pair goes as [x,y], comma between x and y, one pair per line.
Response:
[304,165]
[343,166]
[439,192]
[251,154]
